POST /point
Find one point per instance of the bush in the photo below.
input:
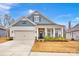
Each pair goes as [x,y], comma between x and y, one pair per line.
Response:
[60,38]
[52,38]
[47,38]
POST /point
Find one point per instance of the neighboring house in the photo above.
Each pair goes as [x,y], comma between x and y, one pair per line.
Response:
[35,26]
[73,33]
[2,31]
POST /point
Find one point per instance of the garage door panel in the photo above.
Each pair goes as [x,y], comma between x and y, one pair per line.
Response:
[24,35]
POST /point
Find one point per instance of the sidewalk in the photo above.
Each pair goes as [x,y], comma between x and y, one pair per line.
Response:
[52,54]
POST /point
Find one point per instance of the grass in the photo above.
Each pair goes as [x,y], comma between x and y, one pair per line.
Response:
[3,39]
[57,47]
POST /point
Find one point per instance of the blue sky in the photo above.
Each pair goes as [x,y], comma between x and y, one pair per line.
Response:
[57,12]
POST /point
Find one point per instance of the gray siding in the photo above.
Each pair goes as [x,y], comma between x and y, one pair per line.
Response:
[23,23]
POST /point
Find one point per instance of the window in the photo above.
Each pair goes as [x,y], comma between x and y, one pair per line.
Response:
[24,22]
[36,18]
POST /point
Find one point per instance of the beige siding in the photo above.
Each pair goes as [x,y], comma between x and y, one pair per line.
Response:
[74,35]
[68,36]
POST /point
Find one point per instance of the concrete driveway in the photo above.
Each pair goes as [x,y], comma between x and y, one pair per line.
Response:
[16,48]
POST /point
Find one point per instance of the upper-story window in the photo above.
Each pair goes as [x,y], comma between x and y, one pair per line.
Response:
[36,18]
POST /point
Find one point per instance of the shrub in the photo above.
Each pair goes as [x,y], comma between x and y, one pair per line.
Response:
[60,38]
[46,38]
[56,38]
[51,38]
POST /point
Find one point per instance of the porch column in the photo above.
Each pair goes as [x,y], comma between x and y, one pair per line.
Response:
[62,32]
[37,33]
[53,32]
[45,31]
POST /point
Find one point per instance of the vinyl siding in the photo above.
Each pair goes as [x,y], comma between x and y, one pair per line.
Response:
[23,23]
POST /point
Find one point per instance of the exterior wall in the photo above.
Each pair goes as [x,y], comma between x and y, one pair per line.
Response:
[74,35]
[12,29]
[68,36]
[2,33]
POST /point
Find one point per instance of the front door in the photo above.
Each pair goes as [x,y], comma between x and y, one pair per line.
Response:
[41,33]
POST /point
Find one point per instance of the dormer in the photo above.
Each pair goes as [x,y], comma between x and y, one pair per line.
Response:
[38,18]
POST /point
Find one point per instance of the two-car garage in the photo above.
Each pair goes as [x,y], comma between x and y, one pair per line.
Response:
[23,33]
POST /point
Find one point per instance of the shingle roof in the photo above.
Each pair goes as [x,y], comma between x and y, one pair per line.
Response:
[50,22]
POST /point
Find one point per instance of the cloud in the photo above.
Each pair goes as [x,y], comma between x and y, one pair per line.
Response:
[62,16]
[30,11]
[5,7]
[76,19]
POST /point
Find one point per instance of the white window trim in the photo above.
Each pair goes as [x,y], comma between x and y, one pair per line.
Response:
[36,18]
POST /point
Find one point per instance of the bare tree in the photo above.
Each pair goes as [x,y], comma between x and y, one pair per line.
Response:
[7,21]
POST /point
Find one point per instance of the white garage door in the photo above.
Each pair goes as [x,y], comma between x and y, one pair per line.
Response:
[24,35]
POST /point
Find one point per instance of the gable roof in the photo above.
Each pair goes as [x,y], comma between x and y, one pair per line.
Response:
[21,18]
[51,22]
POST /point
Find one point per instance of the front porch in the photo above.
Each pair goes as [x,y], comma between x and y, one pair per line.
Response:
[51,32]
